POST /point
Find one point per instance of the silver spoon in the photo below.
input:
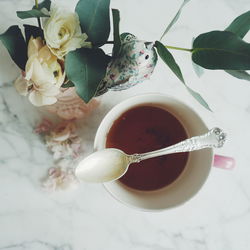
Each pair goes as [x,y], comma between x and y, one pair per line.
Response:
[111,163]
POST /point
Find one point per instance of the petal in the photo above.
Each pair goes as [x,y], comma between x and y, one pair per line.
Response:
[86,45]
[45,54]
[35,44]
[39,100]
[73,44]
[22,85]
[61,136]
[60,79]
[58,53]
[49,90]
[29,68]
[41,74]
[50,31]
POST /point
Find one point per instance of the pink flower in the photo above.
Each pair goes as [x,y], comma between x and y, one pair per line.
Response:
[65,145]
[63,141]
[60,177]
[43,127]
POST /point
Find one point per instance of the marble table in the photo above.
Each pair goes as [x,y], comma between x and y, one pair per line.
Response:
[88,218]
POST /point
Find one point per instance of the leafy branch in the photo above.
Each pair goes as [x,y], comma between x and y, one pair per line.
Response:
[167,57]
[214,50]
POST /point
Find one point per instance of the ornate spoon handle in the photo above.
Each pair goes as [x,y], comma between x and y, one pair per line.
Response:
[214,138]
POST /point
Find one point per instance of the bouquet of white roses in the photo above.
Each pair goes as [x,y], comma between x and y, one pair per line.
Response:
[64,51]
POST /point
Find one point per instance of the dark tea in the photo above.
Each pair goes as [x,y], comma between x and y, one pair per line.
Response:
[143,129]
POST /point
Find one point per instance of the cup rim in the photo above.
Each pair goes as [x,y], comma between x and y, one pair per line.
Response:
[128,100]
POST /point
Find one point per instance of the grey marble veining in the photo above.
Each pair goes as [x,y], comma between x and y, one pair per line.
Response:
[37,244]
[88,218]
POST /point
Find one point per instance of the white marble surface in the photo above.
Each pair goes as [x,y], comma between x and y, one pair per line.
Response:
[88,218]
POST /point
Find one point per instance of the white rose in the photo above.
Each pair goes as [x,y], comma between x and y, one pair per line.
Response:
[43,75]
[63,33]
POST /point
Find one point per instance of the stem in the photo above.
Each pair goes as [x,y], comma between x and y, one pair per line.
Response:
[39,22]
[178,48]
[38,19]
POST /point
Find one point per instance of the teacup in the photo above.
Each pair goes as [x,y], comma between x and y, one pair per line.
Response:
[197,167]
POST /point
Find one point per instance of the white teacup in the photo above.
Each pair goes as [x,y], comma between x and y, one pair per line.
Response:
[191,179]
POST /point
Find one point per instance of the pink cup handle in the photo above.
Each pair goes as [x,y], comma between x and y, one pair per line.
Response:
[224,162]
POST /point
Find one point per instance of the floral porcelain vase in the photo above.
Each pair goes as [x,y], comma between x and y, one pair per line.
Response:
[70,106]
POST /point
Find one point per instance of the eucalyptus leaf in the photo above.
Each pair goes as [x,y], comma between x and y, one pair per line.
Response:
[14,42]
[199,98]
[167,57]
[240,74]
[86,68]
[44,4]
[241,25]
[117,39]
[221,50]
[175,19]
[31,13]
[94,19]
[31,30]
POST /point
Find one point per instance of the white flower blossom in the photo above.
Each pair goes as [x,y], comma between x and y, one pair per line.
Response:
[43,75]
[63,33]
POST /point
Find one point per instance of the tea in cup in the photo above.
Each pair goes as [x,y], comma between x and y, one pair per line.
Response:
[149,122]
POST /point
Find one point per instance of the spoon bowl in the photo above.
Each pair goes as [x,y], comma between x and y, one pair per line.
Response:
[102,166]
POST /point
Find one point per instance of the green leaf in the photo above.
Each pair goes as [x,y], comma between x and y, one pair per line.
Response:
[86,68]
[240,74]
[174,20]
[94,19]
[32,31]
[199,98]
[14,42]
[69,84]
[241,25]
[117,39]
[35,12]
[167,57]
[221,50]
[44,4]
[31,13]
